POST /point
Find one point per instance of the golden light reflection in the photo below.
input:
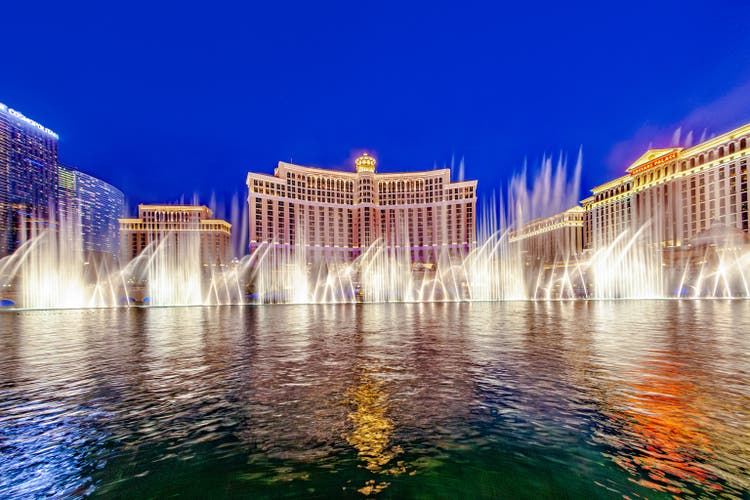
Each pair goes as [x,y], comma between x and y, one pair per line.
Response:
[371,430]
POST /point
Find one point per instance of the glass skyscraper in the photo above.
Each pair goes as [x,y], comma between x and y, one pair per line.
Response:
[28,177]
[97,206]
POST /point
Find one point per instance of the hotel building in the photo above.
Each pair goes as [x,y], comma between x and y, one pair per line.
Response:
[679,193]
[155,222]
[341,213]
[28,177]
[97,206]
[677,196]
[552,240]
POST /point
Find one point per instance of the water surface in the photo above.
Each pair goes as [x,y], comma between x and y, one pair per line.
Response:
[516,400]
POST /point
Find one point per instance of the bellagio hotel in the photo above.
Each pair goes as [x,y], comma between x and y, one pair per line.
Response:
[341,213]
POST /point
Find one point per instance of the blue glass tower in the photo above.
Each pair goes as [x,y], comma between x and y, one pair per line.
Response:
[97,205]
[28,177]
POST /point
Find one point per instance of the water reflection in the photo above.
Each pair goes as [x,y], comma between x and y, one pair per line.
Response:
[676,426]
[663,440]
[371,431]
[481,400]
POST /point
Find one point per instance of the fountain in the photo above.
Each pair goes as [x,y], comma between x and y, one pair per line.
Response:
[51,270]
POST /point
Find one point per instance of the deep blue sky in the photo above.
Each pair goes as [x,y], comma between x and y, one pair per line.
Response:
[168,100]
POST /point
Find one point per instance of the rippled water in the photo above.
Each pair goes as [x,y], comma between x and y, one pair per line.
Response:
[576,399]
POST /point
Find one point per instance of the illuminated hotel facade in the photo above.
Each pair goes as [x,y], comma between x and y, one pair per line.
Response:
[681,193]
[97,206]
[341,213]
[554,239]
[678,196]
[28,177]
[155,222]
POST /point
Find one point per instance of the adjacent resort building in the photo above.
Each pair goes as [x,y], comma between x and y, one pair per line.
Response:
[96,206]
[679,197]
[37,192]
[187,224]
[28,178]
[341,213]
[552,239]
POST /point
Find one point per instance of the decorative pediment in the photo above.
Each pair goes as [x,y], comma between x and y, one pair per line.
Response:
[653,158]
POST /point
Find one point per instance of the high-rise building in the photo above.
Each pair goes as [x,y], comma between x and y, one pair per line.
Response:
[678,198]
[341,213]
[28,177]
[156,222]
[97,206]
[678,194]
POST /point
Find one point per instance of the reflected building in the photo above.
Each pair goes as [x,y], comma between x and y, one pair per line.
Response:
[155,222]
[28,177]
[341,213]
[663,439]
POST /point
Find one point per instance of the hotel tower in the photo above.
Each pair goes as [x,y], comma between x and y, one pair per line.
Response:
[680,198]
[185,223]
[682,193]
[341,213]
[28,177]
[96,206]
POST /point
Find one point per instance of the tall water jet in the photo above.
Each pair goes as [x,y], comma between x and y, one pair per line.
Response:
[51,270]
[529,245]
[628,268]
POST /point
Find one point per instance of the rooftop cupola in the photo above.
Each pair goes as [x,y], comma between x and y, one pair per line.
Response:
[365,163]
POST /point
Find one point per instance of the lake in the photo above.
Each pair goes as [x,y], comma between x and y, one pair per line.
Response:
[606,399]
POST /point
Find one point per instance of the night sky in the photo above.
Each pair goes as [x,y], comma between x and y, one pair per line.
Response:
[168,101]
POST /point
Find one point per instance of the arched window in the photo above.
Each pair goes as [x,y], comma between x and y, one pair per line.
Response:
[743,143]
[731,148]
[710,156]
[692,162]
[721,151]
[701,159]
